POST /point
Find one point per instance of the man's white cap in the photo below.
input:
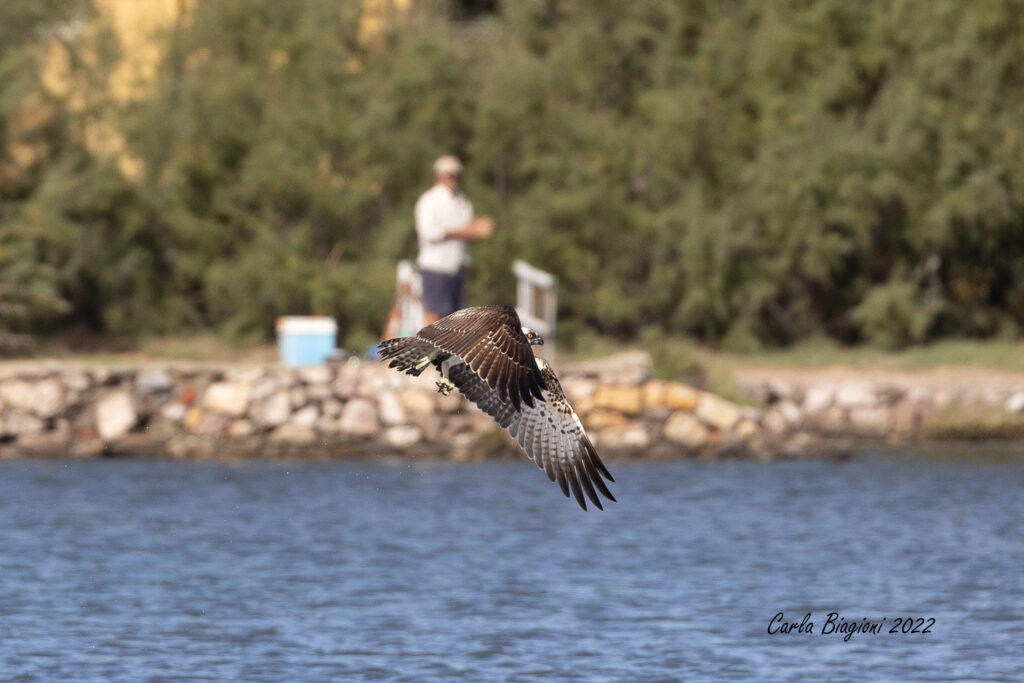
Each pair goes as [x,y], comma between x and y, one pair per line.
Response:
[449,164]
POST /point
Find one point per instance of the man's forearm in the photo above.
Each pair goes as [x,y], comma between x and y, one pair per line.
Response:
[467,231]
[477,229]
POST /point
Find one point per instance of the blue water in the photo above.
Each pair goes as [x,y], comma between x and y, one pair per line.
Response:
[144,570]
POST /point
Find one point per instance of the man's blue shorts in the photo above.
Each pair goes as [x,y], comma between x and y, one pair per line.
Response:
[442,292]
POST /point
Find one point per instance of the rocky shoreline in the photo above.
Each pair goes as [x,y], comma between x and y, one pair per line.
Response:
[242,411]
[945,404]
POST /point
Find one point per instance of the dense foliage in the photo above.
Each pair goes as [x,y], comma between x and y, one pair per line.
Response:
[746,173]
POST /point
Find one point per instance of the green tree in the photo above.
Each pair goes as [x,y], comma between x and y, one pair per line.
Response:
[745,173]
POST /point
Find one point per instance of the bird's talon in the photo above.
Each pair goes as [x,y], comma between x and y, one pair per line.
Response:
[444,388]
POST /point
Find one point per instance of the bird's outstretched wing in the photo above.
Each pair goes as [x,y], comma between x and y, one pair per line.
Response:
[406,354]
[549,432]
[490,340]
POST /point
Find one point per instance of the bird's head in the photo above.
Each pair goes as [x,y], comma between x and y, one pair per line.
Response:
[532,337]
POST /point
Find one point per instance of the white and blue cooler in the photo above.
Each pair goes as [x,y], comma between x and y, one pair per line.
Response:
[305,339]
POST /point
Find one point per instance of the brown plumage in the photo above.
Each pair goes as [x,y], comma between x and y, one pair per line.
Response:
[489,339]
[485,353]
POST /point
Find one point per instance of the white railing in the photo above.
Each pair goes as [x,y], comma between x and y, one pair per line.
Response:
[410,284]
[537,302]
[406,317]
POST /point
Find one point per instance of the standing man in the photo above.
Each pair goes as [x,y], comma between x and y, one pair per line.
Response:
[444,224]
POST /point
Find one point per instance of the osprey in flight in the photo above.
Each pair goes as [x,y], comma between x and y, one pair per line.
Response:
[485,353]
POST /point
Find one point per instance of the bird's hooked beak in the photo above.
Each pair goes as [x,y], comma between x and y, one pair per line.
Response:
[532,337]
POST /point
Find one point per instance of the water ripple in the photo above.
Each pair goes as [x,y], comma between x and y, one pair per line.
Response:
[406,571]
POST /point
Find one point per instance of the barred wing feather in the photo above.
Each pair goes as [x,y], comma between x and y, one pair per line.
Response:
[490,340]
[549,432]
